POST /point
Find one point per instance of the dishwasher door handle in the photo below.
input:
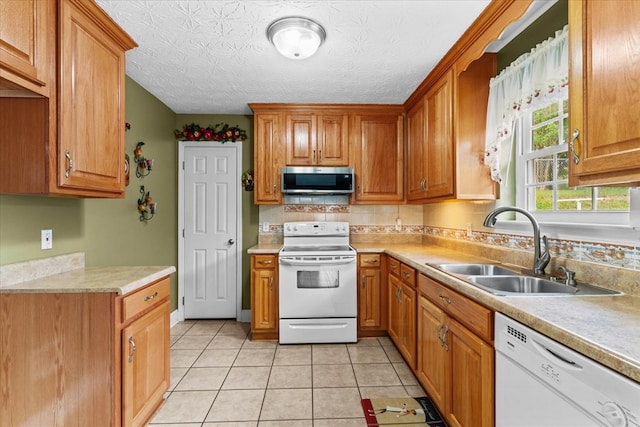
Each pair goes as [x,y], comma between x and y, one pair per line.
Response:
[555,357]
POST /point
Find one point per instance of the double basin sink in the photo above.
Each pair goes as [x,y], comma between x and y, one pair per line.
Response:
[498,280]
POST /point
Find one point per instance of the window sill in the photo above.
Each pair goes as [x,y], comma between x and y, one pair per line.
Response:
[593,232]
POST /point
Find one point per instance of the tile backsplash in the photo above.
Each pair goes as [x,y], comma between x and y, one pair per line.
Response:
[404,224]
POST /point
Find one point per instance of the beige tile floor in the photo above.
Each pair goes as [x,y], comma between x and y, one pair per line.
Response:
[220,378]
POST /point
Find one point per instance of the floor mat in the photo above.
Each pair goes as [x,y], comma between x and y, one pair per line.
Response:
[401,411]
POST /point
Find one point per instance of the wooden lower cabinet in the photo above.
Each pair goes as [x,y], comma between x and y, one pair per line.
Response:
[402,311]
[455,366]
[145,373]
[66,359]
[372,296]
[264,297]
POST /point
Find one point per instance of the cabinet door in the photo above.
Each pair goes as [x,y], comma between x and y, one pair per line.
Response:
[26,40]
[603,92]
[378,147]
[264,297]
[370,308]
[300,139]
[407,320]
[432,365]
[268,156]
[394,308]
[91,104]
[416,152]
[472,371]
[332,140]
[145,365]
[439,138]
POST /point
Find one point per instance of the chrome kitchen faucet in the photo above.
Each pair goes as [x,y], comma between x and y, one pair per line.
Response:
[540,259]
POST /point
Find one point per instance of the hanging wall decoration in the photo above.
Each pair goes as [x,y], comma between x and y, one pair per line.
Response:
[247,180]
[146,206]
[221,132]
[143,165]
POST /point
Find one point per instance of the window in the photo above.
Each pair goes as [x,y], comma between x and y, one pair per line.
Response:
[542,169]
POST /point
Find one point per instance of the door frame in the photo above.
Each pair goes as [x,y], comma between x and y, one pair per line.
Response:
[181,214]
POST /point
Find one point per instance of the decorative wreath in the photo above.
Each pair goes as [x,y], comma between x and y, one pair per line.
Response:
[221,132]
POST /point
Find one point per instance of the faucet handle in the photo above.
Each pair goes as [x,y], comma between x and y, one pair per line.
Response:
[570,276]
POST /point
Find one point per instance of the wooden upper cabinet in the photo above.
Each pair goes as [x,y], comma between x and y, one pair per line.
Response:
[268,155]
[317,139]
[439,138]
[430,143]
[75,144]
[379,153]
[604,98]
[91,98]
[471,95]
[416,152]
[27,46]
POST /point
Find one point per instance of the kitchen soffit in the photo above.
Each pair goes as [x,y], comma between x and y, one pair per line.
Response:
[213,57]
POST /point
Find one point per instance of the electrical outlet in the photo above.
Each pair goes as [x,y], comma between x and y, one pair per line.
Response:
[398,224]
[469,230]
[46,239]
[265,227]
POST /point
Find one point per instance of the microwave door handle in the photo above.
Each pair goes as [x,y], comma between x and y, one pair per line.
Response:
[316,262]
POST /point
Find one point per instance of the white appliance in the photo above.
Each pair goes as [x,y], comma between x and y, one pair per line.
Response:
[317,284]
[541,383]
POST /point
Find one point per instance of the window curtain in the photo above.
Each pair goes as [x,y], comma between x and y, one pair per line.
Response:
[532,81]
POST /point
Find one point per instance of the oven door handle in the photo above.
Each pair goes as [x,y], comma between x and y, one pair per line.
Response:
[317,261]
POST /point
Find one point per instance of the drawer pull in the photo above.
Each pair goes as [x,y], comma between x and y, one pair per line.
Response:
[265,262]
[132,351]
[444,299]
[393,266]
[370,261]
[150,297]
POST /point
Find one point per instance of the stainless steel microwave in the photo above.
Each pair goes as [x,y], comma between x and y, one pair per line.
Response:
[317,180]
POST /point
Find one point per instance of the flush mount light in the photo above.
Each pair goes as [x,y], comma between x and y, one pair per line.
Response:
[296,37]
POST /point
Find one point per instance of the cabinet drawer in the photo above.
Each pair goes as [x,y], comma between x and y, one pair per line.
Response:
[369,260]
[264,261]
[408,275]
[139,301]
[471,314]
[394,267]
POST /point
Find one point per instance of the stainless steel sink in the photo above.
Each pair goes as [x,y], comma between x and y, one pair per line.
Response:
[503,281]
[529,285]
[475,269]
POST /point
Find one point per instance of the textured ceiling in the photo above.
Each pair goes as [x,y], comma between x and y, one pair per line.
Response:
[213,57]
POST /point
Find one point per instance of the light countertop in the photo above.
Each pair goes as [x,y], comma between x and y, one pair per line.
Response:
[604,328]
[121,280]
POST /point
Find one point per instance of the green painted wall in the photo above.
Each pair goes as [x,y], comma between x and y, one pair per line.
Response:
[108,231]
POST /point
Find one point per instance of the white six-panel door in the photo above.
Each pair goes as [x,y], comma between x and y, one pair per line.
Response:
[210,274]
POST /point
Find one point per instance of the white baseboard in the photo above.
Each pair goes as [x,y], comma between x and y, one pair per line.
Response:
[245,317]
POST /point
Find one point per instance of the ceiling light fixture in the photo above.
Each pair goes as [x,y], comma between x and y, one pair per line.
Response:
[296,37]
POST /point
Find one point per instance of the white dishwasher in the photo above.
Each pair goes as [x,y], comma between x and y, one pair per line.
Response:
[540,382]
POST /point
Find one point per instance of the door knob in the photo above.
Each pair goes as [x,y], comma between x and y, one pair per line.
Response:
[231,242]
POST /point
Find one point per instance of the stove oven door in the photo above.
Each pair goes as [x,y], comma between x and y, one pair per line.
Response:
[317,286]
